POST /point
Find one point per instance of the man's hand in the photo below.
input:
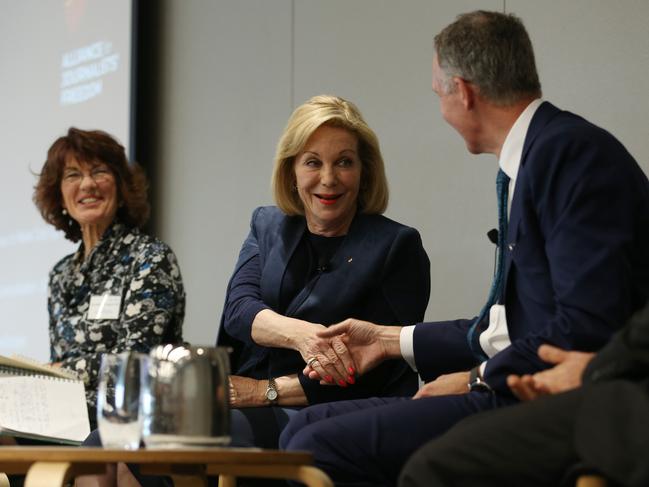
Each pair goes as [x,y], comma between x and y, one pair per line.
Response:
[456,383]
[523,387]
[367,343]
[564,376]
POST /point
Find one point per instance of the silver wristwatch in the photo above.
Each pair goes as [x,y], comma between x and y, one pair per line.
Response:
[476,382]
[271,391]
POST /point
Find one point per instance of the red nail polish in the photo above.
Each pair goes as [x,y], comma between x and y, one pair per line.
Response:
[350,379]
[351,370]
[329,379]
[342,383]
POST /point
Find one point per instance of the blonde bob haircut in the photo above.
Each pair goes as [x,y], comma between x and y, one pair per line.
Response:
[307,118]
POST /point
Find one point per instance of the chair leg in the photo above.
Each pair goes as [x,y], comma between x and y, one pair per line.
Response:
[43,474]
[227,481]
[314,477]
[591,481]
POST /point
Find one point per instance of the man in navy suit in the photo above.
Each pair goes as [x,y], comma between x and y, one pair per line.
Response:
[575,260]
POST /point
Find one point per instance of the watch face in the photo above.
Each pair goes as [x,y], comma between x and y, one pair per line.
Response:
[271,394]
[479,386]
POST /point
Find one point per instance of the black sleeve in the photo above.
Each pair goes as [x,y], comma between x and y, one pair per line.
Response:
[626,355]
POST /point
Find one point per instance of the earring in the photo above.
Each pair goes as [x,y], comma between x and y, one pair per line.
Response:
[64,212]
[295,188]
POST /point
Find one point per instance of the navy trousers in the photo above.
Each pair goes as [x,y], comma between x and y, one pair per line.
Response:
[366,442]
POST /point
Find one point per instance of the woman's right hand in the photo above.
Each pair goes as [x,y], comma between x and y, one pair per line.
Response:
[328,357]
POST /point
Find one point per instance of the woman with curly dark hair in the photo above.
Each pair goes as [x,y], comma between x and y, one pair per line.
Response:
[122,289]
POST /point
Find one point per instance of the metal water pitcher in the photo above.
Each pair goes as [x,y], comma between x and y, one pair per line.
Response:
[185,397]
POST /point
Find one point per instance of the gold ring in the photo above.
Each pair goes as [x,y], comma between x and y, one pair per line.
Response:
[311,361]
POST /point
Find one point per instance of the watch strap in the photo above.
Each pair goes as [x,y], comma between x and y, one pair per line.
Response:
[271,391]
[476,382]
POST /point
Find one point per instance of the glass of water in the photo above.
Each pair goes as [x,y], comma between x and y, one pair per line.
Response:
[118,400]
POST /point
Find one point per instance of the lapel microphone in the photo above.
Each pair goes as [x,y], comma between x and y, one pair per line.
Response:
[323,264]
[492,235]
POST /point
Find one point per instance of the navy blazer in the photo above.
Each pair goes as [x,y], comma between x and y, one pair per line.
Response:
[380,273]
[577,256]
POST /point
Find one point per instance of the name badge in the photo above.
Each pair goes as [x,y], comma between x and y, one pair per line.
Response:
[104,307]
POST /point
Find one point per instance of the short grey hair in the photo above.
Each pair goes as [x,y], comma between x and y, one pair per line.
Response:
[491,50]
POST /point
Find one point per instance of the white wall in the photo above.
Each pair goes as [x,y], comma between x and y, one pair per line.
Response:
[233,70]
[225,97]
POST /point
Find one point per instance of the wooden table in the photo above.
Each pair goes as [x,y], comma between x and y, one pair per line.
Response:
[52,466]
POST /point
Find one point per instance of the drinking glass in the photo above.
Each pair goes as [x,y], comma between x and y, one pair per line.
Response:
[118,400]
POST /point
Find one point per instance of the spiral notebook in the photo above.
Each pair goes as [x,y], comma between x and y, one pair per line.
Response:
[41,402]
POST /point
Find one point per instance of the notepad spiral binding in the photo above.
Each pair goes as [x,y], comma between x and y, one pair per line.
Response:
[8,370]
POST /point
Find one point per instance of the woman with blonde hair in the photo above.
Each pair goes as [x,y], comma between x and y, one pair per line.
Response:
[323,254]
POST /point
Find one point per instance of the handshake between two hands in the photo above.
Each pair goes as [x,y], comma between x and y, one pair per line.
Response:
[337,354]
[354,347]
[334,356]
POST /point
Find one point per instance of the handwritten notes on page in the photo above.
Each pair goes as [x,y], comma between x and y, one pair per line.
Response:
[43,407]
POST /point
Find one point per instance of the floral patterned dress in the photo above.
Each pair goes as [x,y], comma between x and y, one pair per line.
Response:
[143,272]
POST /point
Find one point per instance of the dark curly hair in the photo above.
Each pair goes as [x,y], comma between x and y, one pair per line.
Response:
[90,147]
